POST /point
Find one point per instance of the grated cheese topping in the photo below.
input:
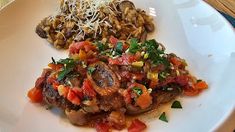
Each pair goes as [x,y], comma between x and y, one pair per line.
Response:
[85,14]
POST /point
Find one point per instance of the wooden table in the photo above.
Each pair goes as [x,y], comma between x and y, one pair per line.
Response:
[226,6]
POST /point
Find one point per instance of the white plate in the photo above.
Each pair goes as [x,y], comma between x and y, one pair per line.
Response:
[189,28]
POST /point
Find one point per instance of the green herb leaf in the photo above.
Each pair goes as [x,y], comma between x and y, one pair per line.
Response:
[63,73]
[163,117]
[66,61]
[137,90]
[155,55]
[134,46]
[101,46]
[90,70]
[119,48]
[176,104]
[69,65]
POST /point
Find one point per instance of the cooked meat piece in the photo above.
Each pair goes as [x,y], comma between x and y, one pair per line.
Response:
[79,117]
[164,96]
[134,110]
[52,97]
[112,102]
[40,31]
[103,80]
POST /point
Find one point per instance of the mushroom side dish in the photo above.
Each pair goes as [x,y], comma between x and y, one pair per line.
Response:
[78,20]
[102,82]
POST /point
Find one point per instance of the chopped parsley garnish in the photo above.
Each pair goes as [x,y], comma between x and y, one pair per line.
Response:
[90,70]
[163,117]
[137,90]
[176,104]
[119,48]
[134,46]
[69,65]
[101,46]
[154,54]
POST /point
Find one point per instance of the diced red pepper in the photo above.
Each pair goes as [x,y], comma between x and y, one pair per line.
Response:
[137,126]
[35,95]
[102,127]
[88,89]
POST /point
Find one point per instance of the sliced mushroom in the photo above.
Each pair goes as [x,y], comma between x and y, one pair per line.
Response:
[40,31]
[149,26]
[126,4]
[103,79]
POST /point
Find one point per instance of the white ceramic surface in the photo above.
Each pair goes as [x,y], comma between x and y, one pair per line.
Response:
[189,28]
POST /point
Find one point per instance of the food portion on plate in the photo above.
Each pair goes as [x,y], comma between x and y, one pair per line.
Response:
[102,82]
[78,20]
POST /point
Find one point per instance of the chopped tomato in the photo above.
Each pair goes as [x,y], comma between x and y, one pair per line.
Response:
[78,92]
[39,82]
[35,95]
[201,85]
[88,89]
[145,99]
[123,60]
[113,40]
[84,45]
[102,127]
[73,98]
[176,61]
[137,126]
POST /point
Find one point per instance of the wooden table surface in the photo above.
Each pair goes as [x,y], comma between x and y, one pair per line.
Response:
[226,6]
